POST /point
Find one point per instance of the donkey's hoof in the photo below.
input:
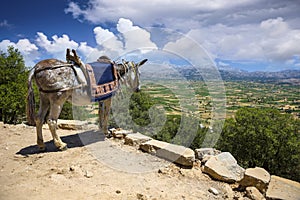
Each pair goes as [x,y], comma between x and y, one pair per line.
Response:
[63,148]
[42,148]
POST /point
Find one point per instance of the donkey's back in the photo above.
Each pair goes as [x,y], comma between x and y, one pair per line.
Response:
[53,75]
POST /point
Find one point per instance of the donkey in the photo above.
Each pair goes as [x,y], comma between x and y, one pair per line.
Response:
[60,81]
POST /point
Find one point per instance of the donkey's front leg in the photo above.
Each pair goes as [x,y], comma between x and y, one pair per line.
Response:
[55,110]
[104,109]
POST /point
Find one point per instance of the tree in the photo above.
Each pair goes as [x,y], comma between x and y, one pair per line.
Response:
[12,86]
[264,138]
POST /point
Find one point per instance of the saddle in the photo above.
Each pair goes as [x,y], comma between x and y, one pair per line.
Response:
[101,76]
[103,80]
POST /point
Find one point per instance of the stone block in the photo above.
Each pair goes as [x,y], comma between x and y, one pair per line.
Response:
[174,153]
[224,167]
[282,188]
[257,177]
[136,139]
[71,124]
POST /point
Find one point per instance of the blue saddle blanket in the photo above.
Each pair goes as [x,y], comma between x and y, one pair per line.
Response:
[105,82]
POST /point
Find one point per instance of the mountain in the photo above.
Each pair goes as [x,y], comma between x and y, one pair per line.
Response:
[291,77]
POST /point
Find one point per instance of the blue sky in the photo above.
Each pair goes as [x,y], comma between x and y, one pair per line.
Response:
[247,34]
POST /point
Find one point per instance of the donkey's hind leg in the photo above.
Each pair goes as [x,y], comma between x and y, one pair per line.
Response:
[103,112]
[40,119]
[55,109]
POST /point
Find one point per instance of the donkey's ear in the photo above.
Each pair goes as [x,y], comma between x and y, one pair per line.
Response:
[142,62]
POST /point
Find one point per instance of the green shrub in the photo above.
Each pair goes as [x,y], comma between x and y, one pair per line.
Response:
[264,138]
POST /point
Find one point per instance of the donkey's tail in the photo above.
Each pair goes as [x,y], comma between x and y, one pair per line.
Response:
[30,106]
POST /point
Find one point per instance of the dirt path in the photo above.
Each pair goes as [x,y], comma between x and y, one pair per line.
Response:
[100,169]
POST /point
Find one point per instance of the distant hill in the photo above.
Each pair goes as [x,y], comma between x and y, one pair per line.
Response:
[291,77]
[281,77]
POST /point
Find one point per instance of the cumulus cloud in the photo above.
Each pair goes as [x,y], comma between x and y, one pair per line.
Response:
[128,38]
[178,14]
[26,48]
[57,46]
[240,30]
[85,49]
[271,40]
[108,40]
[134,36]
[149,12]
[189,50]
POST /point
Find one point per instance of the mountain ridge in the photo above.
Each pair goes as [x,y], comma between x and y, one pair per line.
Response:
[290,76]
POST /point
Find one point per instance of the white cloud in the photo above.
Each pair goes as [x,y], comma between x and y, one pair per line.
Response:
[274,27]
[26,48]
[57,46]
[134,36]
[265,30]
[5,23]
[246,30]
[128,38]
[148,12]
[271,40]
[75,10]
[85,49]
[189,50]
[108,40]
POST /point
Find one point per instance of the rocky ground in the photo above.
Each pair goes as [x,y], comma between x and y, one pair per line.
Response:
[94,168]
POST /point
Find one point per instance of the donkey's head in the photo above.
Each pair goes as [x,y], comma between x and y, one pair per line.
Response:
[129,74]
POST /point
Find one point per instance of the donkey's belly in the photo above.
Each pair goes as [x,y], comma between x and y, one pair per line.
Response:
[80,97]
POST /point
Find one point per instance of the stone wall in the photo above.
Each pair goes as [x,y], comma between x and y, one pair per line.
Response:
[253,183]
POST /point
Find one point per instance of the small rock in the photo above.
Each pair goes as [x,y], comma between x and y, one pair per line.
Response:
[120,133]
[88,174]
[112,130]
[61,171]
[257,177]
[238,196]
[20,156]
[213,190]
[254,194]
[206,158]
[200,153]
[118,191]
[229,194]
[141,196]
[72,168]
